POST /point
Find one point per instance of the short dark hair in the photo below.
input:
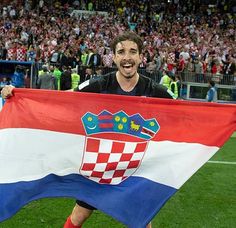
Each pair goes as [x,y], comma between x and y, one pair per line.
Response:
[131,36]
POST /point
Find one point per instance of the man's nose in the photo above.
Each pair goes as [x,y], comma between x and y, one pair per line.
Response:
[127,55]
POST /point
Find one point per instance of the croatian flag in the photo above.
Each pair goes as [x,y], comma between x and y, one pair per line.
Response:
[124,155]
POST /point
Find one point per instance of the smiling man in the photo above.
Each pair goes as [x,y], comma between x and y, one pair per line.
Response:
[127,55]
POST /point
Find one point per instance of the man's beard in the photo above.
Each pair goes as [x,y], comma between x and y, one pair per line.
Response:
[130,62]
[129,77]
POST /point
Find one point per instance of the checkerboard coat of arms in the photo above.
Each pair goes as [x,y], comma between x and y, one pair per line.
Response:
[115,145]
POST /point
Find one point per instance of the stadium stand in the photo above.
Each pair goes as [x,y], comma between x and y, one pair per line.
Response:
[192,39]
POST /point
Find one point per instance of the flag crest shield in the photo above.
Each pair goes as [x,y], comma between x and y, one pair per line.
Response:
[115,145]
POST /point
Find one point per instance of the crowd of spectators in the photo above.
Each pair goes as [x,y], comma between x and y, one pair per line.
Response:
[178,36]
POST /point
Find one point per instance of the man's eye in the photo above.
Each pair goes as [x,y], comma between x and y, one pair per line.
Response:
[120,52]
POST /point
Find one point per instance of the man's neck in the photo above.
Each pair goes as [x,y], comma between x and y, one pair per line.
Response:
[127,84]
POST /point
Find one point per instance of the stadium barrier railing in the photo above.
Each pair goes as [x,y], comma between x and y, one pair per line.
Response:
[194,86]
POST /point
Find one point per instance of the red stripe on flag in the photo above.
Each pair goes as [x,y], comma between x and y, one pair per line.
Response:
[190,119]
[106,125]
[105,117]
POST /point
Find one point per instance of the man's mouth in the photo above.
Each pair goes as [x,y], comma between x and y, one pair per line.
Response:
[127,66]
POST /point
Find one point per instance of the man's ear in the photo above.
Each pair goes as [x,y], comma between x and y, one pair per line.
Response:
[141,57]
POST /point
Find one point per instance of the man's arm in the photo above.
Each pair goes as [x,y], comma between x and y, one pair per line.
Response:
[162,92]
[93,85]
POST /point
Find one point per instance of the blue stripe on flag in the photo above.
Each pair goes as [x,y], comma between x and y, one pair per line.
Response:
[134,202]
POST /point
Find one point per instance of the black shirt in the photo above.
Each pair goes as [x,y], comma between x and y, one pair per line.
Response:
[108,84]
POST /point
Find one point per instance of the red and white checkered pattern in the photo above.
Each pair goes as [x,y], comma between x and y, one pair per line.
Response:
[107,60]
[20,54]
[11,54]
[171,58]
[110,162]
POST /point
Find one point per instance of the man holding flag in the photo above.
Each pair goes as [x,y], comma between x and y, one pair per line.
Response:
[127,55]
[127,170]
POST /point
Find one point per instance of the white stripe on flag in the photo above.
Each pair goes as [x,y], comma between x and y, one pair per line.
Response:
[173,163]
[37,153]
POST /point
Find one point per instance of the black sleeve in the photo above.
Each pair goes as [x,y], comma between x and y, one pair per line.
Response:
[161,91]
[101,84]
[92,85]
